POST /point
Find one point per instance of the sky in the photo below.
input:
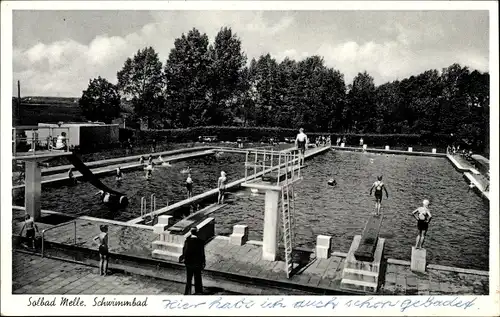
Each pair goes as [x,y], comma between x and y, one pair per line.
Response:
[56,53]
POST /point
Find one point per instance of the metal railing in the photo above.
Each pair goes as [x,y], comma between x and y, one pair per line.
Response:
[57,226]
[263,161]
[144,204]
[29,139]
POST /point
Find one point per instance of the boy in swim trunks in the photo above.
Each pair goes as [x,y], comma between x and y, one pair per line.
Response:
[301,143]
[423,216]
[221,184]
[30,226]
[118,174]
[102,239]
[378,186]
[189,186]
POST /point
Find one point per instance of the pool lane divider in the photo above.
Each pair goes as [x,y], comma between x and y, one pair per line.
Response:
[171,208]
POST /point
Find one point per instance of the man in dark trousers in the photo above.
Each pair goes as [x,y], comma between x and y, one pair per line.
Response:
[194,258]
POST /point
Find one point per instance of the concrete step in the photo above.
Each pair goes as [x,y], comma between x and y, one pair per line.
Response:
[359,286]
[167,246]
[167,255]
[358,275]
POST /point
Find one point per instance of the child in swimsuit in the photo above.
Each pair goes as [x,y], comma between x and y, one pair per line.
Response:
[72,179]
[301,142]
[30,226]
[222,187]
[423,217]
[379,186]
[102,239]
[118,173]
[189,186]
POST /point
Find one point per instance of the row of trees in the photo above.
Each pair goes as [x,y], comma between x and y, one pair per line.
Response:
[210,84]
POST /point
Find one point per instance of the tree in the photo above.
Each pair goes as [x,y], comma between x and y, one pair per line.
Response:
[227,63]
[141,81]
[360,109]
[186,73]
[265,87]
[100,101]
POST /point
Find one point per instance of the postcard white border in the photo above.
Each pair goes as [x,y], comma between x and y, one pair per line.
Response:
[16,304]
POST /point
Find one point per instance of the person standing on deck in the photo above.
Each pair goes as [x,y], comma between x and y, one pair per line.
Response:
[221,184]
[102,239]
[30,226]
[189,186]
[301,142]
[423,216]
[194,259]
[378,186]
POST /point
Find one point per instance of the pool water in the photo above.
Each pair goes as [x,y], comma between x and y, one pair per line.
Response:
[167,183]
[458,233]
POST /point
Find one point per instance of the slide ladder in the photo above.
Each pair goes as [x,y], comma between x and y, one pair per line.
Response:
[287,211]
[288,214]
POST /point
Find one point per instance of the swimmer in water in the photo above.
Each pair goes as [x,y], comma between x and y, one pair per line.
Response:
[118,174]
[149,171]
[332,182]
[379,186]
[301,143]
[423,217]
[471,186]
[102,240]
[105,196]
[189,186]
[221,184]
[30,226]
[163,163]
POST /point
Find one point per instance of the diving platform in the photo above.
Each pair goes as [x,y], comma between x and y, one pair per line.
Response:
[39,155]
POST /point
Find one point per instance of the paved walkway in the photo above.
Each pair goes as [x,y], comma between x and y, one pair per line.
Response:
[327,273]
[32,274]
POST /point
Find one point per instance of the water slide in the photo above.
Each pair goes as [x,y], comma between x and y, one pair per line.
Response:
[90,177]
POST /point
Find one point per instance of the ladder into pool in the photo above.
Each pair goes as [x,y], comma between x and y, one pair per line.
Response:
[281,175]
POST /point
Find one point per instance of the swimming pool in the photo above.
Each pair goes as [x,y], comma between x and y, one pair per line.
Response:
[166,183]
[458,234]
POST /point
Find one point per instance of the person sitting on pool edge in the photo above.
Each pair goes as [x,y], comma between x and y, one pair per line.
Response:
[221,184]
[423,217]
[301,143]
[379,186]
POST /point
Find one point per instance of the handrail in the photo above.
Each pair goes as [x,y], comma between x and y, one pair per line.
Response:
[153,202]
[35,139]
[56,226]
[143,205]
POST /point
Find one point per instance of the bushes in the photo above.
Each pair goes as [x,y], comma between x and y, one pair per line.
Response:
[256,134]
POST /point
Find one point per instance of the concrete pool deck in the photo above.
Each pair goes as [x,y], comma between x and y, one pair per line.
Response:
[471,175]
[239,264]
